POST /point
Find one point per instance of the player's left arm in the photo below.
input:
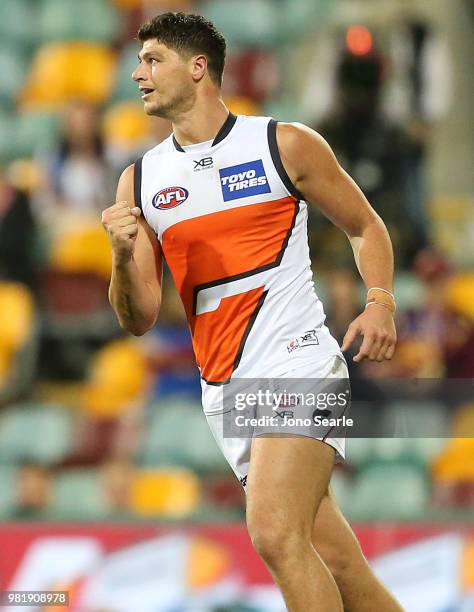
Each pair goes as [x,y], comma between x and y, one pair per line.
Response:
[316,174]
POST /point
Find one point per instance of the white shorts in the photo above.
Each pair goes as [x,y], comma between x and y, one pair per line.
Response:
[237,450]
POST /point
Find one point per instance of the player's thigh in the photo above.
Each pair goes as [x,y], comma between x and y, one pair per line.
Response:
[287,478]
[335,541]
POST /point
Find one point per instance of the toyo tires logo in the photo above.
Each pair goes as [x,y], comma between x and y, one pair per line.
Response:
[170,197]
[244,180]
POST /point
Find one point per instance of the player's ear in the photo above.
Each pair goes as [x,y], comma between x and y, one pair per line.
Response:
[198,67]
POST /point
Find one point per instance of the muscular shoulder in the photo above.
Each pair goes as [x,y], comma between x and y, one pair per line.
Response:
[303,150]
[294,135]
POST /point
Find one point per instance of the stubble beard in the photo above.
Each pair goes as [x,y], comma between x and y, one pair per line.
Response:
[176,107]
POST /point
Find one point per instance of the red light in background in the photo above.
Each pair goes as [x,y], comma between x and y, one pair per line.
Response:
[359,40]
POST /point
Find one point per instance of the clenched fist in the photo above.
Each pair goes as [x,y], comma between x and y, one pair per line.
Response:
[121,223]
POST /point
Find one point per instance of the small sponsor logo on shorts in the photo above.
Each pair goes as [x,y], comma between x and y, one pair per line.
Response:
[243,481]
[308,338]
[284,414]
[292,345]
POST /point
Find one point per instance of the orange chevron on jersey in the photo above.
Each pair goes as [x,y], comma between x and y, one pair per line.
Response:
[217,250]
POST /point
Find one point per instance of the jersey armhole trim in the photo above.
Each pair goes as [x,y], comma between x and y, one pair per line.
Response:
[276,158]
[137,183]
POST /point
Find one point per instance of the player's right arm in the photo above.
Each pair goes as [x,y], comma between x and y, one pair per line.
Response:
[135,285]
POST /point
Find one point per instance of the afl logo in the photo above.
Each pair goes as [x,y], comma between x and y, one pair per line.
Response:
[170,197]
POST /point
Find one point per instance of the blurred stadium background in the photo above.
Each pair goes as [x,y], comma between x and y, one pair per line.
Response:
[111,485]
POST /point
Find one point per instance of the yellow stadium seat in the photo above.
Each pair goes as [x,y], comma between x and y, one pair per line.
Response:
[16,317]
[126,125]
[62,72]
[460,294]
[119,375]
[174,492]
[456,462]
[82,249]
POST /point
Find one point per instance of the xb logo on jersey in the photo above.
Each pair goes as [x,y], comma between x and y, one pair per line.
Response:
[244,180]
[170,197]
[203,164]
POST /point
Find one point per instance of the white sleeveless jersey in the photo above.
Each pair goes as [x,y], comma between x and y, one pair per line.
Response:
[233,231]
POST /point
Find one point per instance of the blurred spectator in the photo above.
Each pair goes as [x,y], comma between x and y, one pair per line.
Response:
[17,235]
[443,336]
[375,152]
[424,60]
[422,330]
[79,176]
[33,492]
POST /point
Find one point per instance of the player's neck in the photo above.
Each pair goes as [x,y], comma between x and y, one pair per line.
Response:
[201,123]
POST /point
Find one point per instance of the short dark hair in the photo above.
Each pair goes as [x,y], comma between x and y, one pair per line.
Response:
[189,33]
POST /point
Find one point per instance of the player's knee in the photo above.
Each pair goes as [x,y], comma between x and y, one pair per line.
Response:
[277,542]
[341,561]
[337,561]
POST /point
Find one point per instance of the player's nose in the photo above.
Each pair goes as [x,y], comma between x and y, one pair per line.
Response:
[137,74]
